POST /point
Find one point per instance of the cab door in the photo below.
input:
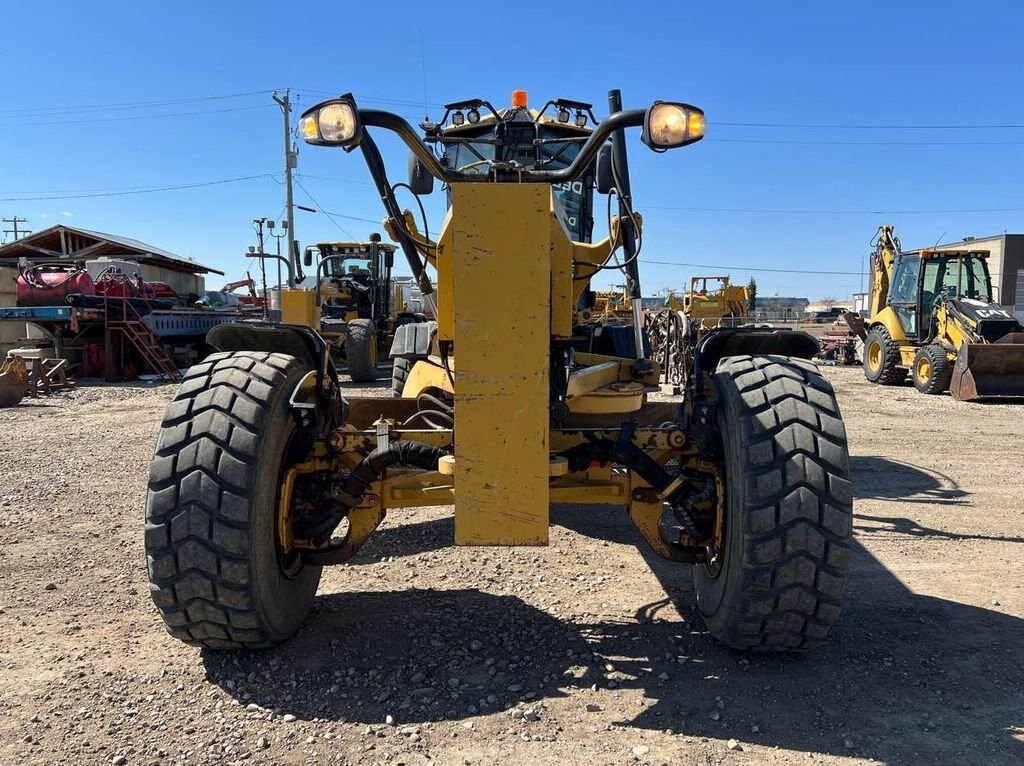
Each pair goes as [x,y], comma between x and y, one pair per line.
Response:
[904,294]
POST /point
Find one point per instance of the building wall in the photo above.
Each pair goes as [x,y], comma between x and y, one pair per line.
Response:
[10,332]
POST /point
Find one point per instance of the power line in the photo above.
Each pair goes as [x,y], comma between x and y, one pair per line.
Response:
[859,143]
[786,211]
[44,110]
[751,268]
[60,122]
[147,190]
[819,126]
[331,216]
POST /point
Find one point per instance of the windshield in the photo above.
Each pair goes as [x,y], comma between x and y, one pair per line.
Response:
[340,267]
[964,277]
[519,147]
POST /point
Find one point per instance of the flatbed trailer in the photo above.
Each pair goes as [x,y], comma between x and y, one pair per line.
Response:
[74,328]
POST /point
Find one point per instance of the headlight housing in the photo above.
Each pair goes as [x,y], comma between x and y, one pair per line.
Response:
[332,123]
[668,124]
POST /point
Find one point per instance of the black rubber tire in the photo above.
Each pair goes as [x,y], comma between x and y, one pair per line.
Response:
[889,372]
[940,370]
[211,510]
[789,508]
[361,351]
[400,373]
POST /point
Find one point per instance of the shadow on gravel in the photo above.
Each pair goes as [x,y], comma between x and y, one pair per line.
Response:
[905,678]
[879,478]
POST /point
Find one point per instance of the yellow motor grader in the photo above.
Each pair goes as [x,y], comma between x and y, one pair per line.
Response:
[264,473]
[932,314]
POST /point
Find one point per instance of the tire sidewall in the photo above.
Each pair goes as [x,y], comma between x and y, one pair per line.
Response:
[282,600]
[713,591]
[874,337]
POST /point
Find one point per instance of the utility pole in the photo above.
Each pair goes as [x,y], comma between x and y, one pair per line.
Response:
[18,233]
[290,156]
[257,224]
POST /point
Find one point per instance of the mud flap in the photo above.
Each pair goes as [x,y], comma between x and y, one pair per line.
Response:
[989,370]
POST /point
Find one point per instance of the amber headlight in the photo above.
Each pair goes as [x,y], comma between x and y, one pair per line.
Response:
[668,125]
[332,123]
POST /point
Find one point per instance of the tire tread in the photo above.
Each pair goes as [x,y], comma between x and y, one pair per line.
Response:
[197,522]
[798,515]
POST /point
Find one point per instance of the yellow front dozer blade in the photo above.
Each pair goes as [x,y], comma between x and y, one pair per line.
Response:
[989,370]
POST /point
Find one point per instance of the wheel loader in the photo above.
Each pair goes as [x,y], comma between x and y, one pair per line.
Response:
[932,315]
[263,473]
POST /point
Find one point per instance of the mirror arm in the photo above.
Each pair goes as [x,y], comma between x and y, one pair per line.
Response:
[379,174]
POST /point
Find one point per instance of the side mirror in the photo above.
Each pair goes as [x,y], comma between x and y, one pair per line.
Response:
[307,257]
[420,179]
[605,177]
[389,258]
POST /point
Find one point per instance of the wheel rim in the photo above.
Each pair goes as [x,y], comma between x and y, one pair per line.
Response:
[924,369]
[716,551]
[373,352]
[874,355]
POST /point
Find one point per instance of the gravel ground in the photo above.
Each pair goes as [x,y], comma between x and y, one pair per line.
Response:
[584,652]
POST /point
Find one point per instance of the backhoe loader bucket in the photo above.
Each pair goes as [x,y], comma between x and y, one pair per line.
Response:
[13,381]
[989,370]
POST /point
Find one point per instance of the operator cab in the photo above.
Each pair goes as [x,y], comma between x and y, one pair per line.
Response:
[351,279]
[922,278]
[477,142]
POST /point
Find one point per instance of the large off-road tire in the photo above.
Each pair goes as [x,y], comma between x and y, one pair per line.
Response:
[361,351]
[932,370]
[777,583]
[400,373]
[212,549]
[882,358]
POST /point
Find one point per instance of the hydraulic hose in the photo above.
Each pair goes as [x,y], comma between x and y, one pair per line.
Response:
[407,453]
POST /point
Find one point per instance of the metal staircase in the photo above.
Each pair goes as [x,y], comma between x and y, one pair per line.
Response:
[121,316]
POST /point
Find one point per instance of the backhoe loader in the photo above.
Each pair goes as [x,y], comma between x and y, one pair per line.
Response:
[263,473]
[931,313]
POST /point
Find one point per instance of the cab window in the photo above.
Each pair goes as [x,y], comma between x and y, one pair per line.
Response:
[903,294]
[904,281]
[942,276]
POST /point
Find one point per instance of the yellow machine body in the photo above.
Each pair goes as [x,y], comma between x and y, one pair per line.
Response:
[709,307]
[299,307]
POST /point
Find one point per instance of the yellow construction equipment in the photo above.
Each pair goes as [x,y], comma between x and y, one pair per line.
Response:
[355,306]
[932,314]
[264,473]
[673,332]
[713,306]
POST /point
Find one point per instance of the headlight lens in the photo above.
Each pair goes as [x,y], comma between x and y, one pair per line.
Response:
[332,123]
[307,126]
[669,125]
[337,123]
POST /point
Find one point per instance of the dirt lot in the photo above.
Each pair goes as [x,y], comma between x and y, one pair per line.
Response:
[585,652]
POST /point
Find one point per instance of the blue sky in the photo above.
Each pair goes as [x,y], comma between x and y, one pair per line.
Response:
[852,65]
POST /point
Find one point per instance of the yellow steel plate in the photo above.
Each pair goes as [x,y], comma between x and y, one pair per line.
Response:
[500,261]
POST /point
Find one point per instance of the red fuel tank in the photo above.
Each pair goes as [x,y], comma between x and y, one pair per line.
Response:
[50,285]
